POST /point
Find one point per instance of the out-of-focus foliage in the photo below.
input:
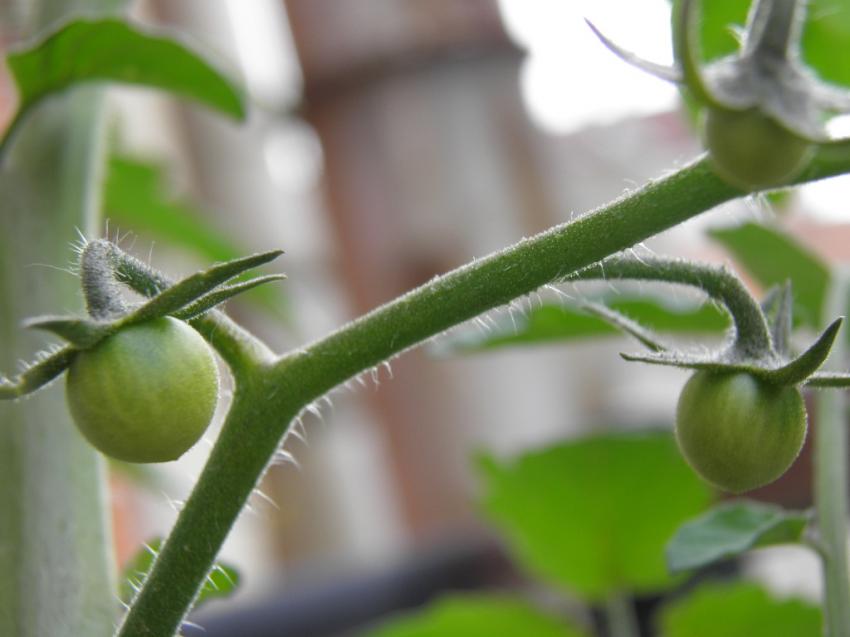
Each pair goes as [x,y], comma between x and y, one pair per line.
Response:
[479,616]
[113,50]
[772,257]
[731,529]
[739,610]
[552,324]
[593,515]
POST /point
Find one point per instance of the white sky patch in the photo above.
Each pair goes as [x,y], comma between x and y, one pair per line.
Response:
[570,80]
[266,51]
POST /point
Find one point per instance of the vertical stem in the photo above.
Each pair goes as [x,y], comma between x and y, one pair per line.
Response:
[620,613]
[55,541]
[831,481]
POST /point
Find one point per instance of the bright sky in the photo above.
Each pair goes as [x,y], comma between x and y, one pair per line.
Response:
[570,79]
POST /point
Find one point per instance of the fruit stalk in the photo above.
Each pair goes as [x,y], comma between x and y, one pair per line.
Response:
[621,617]
[831,482]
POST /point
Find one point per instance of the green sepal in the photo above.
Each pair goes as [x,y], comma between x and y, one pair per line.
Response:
[192,288]
[807,363]
[209,301]
[37,374]
[695,362]
[661,71]
[81,333]
[623,323]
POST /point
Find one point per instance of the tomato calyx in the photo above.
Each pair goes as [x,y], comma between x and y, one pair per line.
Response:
[765,109]
[758,342]
[104,269]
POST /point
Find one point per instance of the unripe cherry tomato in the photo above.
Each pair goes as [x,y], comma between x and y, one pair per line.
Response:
[146,393]
[738,432]
[751,151]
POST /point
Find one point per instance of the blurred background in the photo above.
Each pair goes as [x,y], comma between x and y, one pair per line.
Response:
[390,141]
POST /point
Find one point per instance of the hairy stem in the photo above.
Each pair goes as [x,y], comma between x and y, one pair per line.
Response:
[831,482]
[752,336]
[272,394]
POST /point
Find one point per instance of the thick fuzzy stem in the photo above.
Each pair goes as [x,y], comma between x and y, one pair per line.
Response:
[831,484]
[752,335]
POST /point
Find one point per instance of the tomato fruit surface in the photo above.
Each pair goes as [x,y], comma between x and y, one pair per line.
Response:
[739,432]
[751,151]
[146,393]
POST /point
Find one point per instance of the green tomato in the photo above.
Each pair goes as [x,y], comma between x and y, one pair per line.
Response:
[751,151]
[146,393]
[738,432]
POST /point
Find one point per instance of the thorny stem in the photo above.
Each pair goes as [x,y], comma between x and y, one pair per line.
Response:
[271,395]
[831,482]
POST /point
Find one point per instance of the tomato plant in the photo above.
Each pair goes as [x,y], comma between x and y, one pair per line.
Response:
[142,385]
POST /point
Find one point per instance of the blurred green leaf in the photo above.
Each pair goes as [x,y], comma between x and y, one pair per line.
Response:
[731,529]
[593,515]
[827,31]
[136,196]
[478,616]
[560,323]
[739,610]
[221,582]
[109,49]
[717,23]
[772,257]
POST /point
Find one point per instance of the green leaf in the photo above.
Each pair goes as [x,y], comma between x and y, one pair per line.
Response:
[772,257]
[109,49]
[593,515]
[732,529]
[717,21]
[559,323]
[478,616]
[136,196]
[739,610]
[221,582]
[827,31]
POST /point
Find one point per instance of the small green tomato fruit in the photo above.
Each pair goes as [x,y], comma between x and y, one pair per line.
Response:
[146,393]
[751,151]
[738,432]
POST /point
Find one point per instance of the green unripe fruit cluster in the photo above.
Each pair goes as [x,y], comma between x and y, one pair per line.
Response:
[146,393]
[751,151]
[738,432]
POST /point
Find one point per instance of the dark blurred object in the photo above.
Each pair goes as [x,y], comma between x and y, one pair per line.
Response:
[346,606]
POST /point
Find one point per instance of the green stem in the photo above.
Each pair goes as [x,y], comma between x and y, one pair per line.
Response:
[752,335]
[622,621]
[55,545]
[269,396]
[831,483]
